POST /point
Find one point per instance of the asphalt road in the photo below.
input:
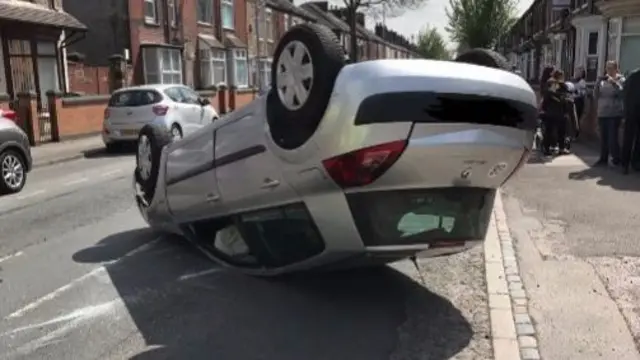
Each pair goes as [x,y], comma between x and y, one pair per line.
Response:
[82,277]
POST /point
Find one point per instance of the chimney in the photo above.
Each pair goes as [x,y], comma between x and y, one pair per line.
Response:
[378,30]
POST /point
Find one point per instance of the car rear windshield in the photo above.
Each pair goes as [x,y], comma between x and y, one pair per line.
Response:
[412,217]
[135,98]
[431,107]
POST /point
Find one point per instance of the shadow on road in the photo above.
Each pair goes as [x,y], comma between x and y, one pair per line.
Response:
[125,149]
[224,315]
[609,176]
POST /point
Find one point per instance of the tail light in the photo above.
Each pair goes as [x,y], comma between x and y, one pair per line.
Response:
[160,110]
[364,166]
[9,114]
[106,113]
[523,159]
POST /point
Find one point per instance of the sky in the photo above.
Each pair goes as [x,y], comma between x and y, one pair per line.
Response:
[431,14]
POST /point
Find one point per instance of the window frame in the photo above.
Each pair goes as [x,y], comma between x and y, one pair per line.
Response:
[174,14]
[239,55]
[151,19]
[160,72]
[230,4]
[209,61]
[208,13]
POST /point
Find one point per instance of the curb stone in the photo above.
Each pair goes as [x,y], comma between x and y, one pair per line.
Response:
[512,330]
[63,159]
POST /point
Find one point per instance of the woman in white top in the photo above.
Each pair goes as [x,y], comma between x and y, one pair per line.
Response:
[580,93]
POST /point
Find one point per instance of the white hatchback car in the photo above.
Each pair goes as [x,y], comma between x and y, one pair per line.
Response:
[176,107]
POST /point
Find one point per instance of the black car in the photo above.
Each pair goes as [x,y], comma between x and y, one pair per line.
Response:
[15,155]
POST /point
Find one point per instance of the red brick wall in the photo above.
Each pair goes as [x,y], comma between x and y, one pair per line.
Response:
[90,80]
[81,116]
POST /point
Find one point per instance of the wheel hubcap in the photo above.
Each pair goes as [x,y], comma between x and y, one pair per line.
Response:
[12,171]
[144,157]
[294,77]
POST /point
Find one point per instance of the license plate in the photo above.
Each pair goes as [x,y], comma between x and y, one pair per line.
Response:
[128,132]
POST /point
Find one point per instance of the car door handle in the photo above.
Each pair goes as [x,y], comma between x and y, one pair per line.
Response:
[269,183]
[212,198]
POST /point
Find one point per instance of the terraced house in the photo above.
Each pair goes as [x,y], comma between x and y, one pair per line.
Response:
[573,33]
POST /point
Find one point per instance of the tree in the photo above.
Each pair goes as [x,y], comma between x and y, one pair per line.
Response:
[388,8]
[431,44]
[479,23]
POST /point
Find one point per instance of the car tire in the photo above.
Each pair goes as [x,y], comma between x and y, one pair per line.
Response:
[151,140]
[12,158]
[484,57]
[292,121]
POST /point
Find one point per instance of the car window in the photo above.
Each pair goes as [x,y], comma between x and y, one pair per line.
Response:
[134,98]
[175,94]
[421,216]
[189,96]
[263,238]
[123,98]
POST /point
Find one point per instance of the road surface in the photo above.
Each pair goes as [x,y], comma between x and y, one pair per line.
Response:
[82,277]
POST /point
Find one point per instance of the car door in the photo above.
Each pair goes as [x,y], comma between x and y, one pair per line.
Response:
[186,113]
[192,97]
[249,176]
[192,189]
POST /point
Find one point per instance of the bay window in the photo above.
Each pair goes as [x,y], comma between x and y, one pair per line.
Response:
[265,71]
[213,67]
[162,65]
[239,67]
[629,44]
[226,12]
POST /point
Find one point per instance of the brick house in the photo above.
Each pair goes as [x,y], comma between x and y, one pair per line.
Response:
[33,37]
[201,43]
[265,25]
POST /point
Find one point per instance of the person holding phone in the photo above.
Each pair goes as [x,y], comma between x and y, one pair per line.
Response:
[608,96]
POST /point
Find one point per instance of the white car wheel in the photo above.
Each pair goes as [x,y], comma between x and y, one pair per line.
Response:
[305,66]
[144,157]
[294,78]
[13,172]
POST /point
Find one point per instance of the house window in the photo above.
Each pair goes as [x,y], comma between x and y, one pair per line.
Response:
[592,56]
[239,68]
[266,38]
[226,12]
[265,71]
[204,11]
[213,67]
[174,15]
[162,65]
[150,15]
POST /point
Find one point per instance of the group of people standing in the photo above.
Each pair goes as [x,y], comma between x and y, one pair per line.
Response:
[563,107]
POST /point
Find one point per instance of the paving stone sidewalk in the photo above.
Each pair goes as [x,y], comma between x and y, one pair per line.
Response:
[53,153]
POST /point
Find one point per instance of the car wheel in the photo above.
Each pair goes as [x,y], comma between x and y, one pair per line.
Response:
[176,132]
[151,140]
[13,172]
[306,64]
[484,57]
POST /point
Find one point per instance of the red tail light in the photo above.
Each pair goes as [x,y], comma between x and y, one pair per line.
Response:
[106,113]
[364,166]
[523,160]
[9,114]
[160,110]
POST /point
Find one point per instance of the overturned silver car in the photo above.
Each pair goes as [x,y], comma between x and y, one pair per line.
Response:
[343,165]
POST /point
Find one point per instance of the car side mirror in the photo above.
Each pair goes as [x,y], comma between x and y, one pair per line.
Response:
[204,101]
